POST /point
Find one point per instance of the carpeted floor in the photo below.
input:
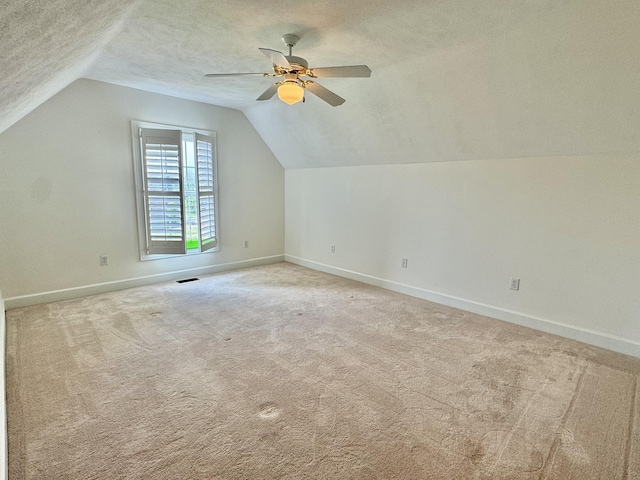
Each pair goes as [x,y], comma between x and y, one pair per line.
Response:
[280,372]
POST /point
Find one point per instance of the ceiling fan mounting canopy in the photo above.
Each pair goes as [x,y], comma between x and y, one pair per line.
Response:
[292,68]
[290,39]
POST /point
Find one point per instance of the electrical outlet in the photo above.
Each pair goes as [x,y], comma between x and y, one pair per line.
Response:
[104,260]
[404,263]
[333,249]
[514,283]
[245,244]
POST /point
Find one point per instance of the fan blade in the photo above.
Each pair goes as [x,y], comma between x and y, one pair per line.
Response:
[269,92]
[234,74]
[326,95]
[348,71]
[276,57]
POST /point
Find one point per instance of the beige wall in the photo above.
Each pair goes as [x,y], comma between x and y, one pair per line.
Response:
[568,227]
[67,190]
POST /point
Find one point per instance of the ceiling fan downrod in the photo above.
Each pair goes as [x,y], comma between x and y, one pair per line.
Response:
[290,41]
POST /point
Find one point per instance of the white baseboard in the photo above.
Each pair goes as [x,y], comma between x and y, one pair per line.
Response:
[598,339]
[84,290]
[4,454]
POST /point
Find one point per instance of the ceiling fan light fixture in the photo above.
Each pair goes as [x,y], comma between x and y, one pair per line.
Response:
[290,92]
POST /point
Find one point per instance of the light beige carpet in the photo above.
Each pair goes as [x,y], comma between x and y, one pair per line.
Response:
[280,372]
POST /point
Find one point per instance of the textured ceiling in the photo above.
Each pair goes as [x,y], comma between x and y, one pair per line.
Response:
[451,79]
[47,44]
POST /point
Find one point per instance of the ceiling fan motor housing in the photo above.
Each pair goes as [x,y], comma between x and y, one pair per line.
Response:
[299,65]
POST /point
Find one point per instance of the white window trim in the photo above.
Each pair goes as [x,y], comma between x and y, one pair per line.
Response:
[138,174]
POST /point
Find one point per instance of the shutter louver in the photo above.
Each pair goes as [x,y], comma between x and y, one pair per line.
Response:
[206,171]
[162,164]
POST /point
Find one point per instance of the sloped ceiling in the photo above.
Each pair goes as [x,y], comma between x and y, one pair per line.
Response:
[47,44]
[451,79]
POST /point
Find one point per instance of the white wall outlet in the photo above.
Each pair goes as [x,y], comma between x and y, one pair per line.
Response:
[245,244]
[333,249]
[404,263]
[514,283]
[104,260]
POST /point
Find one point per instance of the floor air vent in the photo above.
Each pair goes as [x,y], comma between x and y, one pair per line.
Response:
[187,280]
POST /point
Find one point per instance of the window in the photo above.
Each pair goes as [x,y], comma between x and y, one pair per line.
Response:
[176,190]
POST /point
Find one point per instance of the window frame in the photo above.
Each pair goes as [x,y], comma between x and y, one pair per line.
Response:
[140,192]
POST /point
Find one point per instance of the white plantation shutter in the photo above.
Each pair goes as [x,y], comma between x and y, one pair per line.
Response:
[206,173]
[162,166]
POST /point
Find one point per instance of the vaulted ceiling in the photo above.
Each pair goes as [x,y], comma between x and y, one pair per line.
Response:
[452,79]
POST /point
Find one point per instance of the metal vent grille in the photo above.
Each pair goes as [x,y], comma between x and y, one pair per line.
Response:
[187,280]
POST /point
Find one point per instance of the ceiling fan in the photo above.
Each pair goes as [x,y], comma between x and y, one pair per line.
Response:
[291,88]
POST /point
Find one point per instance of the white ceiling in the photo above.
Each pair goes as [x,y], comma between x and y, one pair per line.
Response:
[452,79]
